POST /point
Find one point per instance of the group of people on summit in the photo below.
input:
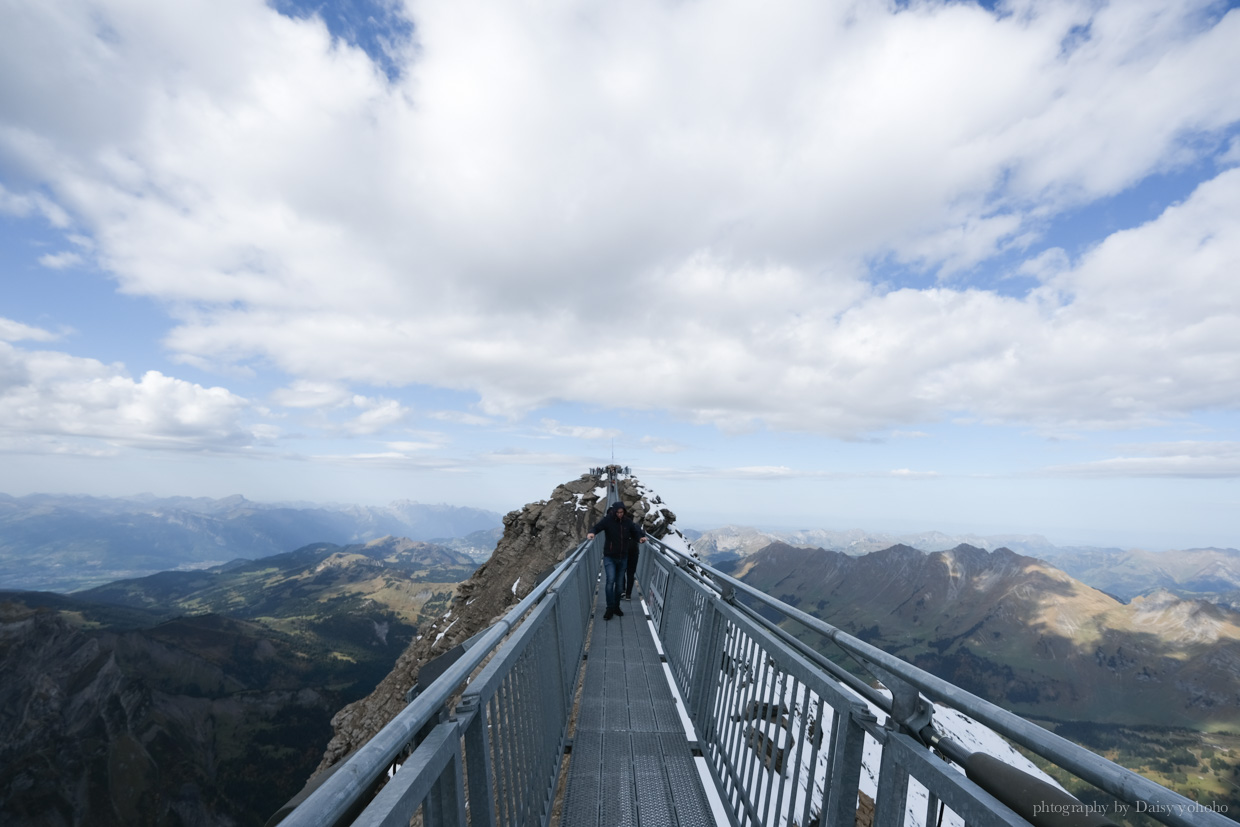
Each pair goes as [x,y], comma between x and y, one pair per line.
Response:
[620,550]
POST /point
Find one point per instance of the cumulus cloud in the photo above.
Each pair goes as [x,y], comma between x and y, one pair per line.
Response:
[705,184]
[370,415]
[62,403]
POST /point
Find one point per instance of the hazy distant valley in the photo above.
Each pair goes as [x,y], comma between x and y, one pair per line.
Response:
[66,543]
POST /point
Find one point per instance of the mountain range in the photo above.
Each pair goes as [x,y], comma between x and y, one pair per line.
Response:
[201,697]
[1209,573]
[1019,632]
[66,543]
[741,541]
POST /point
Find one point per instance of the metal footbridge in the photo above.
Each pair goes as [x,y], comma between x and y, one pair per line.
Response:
[695,708]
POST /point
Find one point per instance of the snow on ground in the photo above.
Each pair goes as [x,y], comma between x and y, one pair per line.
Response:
[439,636]
[658,514]
[578,501]
[677,542]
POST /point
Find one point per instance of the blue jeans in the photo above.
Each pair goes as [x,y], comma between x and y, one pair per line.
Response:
[613,568]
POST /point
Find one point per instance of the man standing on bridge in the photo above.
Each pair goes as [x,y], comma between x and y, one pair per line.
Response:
[622,535]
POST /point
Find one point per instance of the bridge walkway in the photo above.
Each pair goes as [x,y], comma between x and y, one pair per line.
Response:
[632,764]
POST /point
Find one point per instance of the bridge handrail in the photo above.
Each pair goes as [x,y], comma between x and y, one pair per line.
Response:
[339,795]
[1160,803]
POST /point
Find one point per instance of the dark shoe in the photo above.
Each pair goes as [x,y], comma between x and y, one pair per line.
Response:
[618,612]
[628,597]
[607,614]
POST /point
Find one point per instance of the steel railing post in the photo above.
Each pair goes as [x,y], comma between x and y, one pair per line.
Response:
[445,806]
[706,666]
[889,800]
[478,765]
[847,747]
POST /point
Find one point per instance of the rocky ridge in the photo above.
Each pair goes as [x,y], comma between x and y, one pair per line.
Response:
[535,539]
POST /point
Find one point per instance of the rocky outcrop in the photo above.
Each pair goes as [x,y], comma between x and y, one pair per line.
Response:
[535,539]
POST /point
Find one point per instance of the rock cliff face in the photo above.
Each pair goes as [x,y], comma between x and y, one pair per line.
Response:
[535,539]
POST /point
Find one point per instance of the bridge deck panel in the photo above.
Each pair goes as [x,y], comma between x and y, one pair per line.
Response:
[631,764]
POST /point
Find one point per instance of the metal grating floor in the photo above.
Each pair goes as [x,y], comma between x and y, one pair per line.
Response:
[631,765]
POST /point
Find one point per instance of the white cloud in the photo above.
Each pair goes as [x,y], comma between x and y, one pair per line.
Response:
[416,447]
[1179,459]
[1232,156]
[763,472]
[399,460]
[377,415]
[555,428]
[308,394]
[12,331]
[59,261]
[519,457]
[1046,264]
[24,206]
[460,418]
[652,205]
[661,446]
[59,400]
[747,472]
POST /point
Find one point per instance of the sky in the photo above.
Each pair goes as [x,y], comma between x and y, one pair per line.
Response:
[897,266]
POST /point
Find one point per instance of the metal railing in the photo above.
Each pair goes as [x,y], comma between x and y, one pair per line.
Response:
[787,733]
[789,737]
[495,759]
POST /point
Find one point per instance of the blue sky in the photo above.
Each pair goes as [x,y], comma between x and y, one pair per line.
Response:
[892,266]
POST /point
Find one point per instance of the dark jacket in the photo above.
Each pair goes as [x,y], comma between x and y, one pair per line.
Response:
[622,535]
